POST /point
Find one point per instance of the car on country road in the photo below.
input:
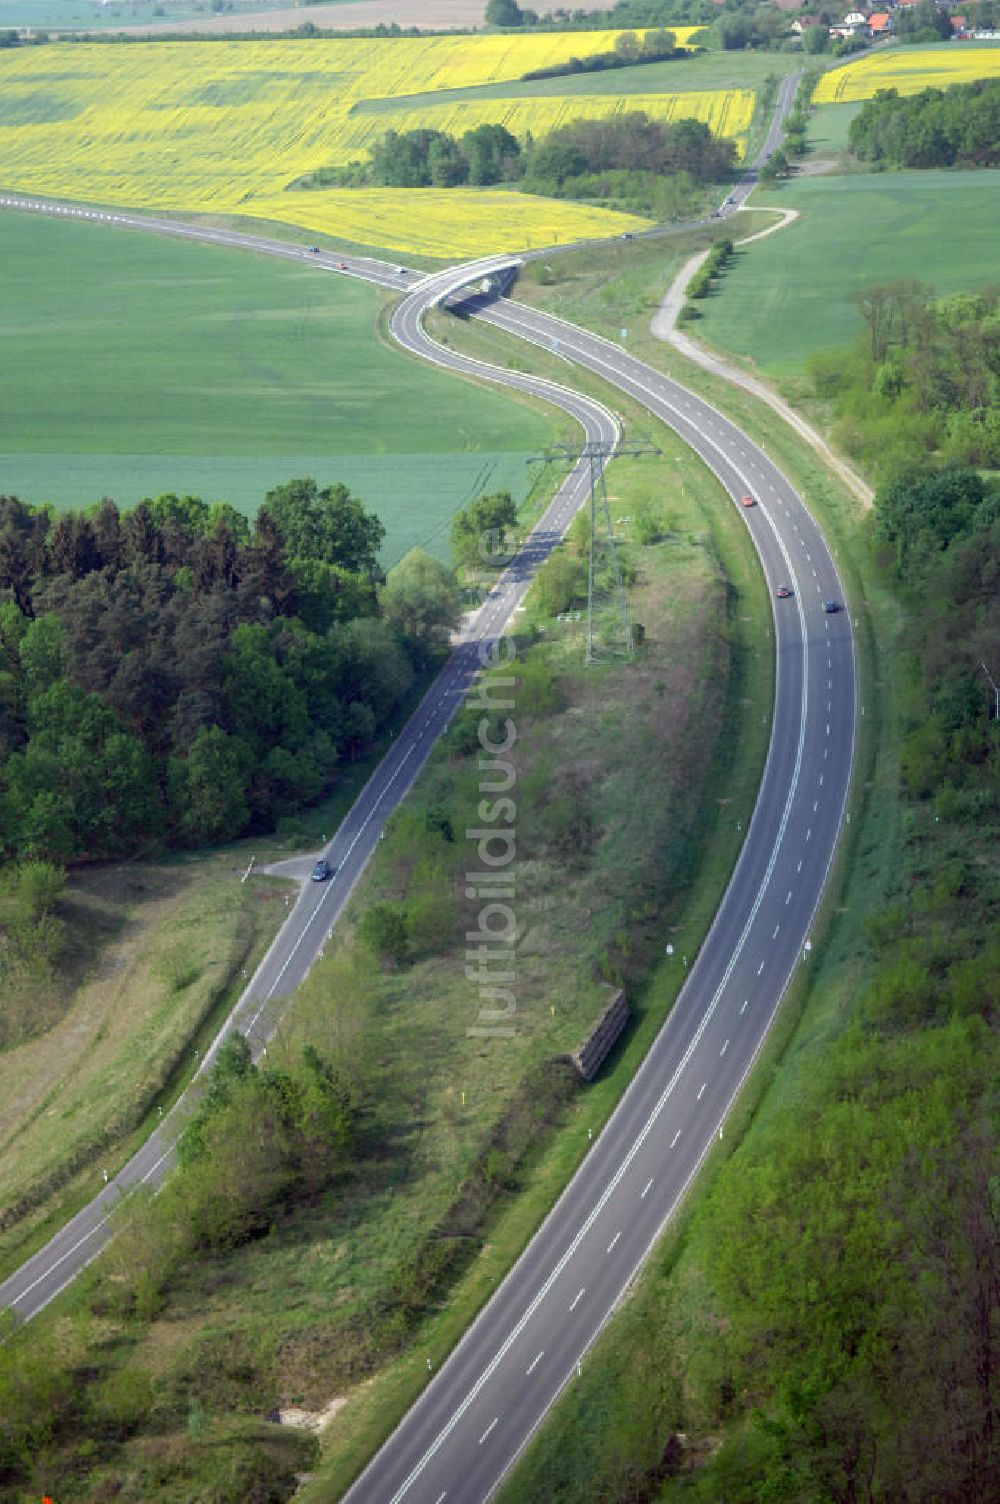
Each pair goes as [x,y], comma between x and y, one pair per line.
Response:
[322,871]
[831,606]
[313,250]
[341,266]
[748,501]
[783,592]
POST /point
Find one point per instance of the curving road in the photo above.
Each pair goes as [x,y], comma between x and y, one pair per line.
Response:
[479,1411]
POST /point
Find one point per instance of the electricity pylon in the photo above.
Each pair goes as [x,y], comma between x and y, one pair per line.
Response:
[597,452]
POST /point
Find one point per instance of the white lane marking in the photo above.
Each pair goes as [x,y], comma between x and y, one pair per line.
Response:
[743,1006]
[821,777]
[775,934]
[489,1428]
[798,867]
[642,1195]
[788,898]
[534,1363]
[815,805]
[579,1294]
[760,968]
[673,1141]
[828,728]
[442,1495]
[809,833]
[614,1240]
[826,753]
[725,1047]
[701,1091]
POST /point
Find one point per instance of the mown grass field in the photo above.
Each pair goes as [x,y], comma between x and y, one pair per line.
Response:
[135,366]
[226,127]
[908,70]
[150,953]
[789,295]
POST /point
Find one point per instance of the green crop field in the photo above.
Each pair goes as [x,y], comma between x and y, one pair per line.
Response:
[789,295]
[134,365]
[92,15]
[828,128]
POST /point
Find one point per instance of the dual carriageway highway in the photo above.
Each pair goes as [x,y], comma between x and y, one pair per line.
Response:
[479,1411]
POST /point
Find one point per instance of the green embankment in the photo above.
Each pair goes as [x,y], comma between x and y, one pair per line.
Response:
[134,366]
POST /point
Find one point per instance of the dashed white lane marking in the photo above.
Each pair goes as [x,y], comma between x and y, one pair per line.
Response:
[489,1428]
[534,1363]
[821,777]
[788,898]
[579,1294]
[799,865]
[815,805]
[725,1047]
[828,728]
[642,1195]
[809,833]
[776,929]
[673,1141]
[701,1090]
[614,1240]
[743,1006]
[760,968]
[442,1495]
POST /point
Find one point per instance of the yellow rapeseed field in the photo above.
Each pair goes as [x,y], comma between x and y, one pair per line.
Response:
[908,71]
[226,127]
[727,112]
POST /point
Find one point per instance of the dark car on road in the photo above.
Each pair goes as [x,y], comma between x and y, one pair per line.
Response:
[322,871]
[831,606]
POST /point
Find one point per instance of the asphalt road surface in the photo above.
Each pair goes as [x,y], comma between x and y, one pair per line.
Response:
[478,1412]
